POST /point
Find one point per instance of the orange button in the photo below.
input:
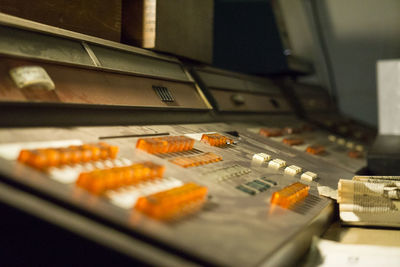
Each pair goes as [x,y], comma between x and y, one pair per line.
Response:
[173,203]
[291,130]
[355,154]
[290,195]
[293,141]
[99,181]
[193,161]
[315,149]
[167,144]
[55,157]
[271,132]
[216,139]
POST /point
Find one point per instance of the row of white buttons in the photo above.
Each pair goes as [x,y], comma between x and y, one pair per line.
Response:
[348,144]
[260,158]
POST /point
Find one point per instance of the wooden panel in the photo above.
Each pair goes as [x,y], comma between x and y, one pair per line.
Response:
[182,27]
[251,102]
[93,17]
[84,86]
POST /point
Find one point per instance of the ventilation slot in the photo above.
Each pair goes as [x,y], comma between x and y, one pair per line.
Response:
[305,205]
[163,93]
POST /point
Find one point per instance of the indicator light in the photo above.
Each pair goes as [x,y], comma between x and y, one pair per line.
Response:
[167,144]
[290,195]
[99,181]
[173,203]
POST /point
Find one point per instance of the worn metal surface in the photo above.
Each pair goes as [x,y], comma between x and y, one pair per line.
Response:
[233,228]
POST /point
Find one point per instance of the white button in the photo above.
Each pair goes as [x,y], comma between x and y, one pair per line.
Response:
[341,141]
[277,163]
[293,170]
[308,176]
[349,144]
[260,158]
[360,148]
[332,138]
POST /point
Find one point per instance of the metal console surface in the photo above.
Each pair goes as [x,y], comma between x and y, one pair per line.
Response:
[233,228]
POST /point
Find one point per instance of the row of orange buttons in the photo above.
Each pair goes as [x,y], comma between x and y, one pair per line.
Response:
[55,157]
[313,149]
[99,181]
[166,144]
[291,141]
[216,139]
[164,205]
[173,203]
[193,161]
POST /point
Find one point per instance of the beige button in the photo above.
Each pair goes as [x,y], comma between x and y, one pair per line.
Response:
[341,141]
[293,170]
[308,176]
[332,138]
[277,163]
[260,158]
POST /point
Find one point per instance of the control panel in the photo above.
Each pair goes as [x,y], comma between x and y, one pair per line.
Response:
[182,185]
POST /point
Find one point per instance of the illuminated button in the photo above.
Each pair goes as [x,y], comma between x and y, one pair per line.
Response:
[332,138]
[99,181]
[216,139]
[260,158]
[359,148]
[350,144]
[173,203]
[277,163]
[55,157]
[167,144]
[290,195]
[308,176]
[315,150]
[341,141]
[271,132]
[355,154]
[293,170]
[193,161]
[293,141]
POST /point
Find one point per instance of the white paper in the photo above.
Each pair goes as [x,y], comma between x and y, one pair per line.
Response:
[332,254]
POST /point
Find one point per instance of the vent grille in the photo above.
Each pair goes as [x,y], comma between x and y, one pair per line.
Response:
[163,93]
[303,207]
